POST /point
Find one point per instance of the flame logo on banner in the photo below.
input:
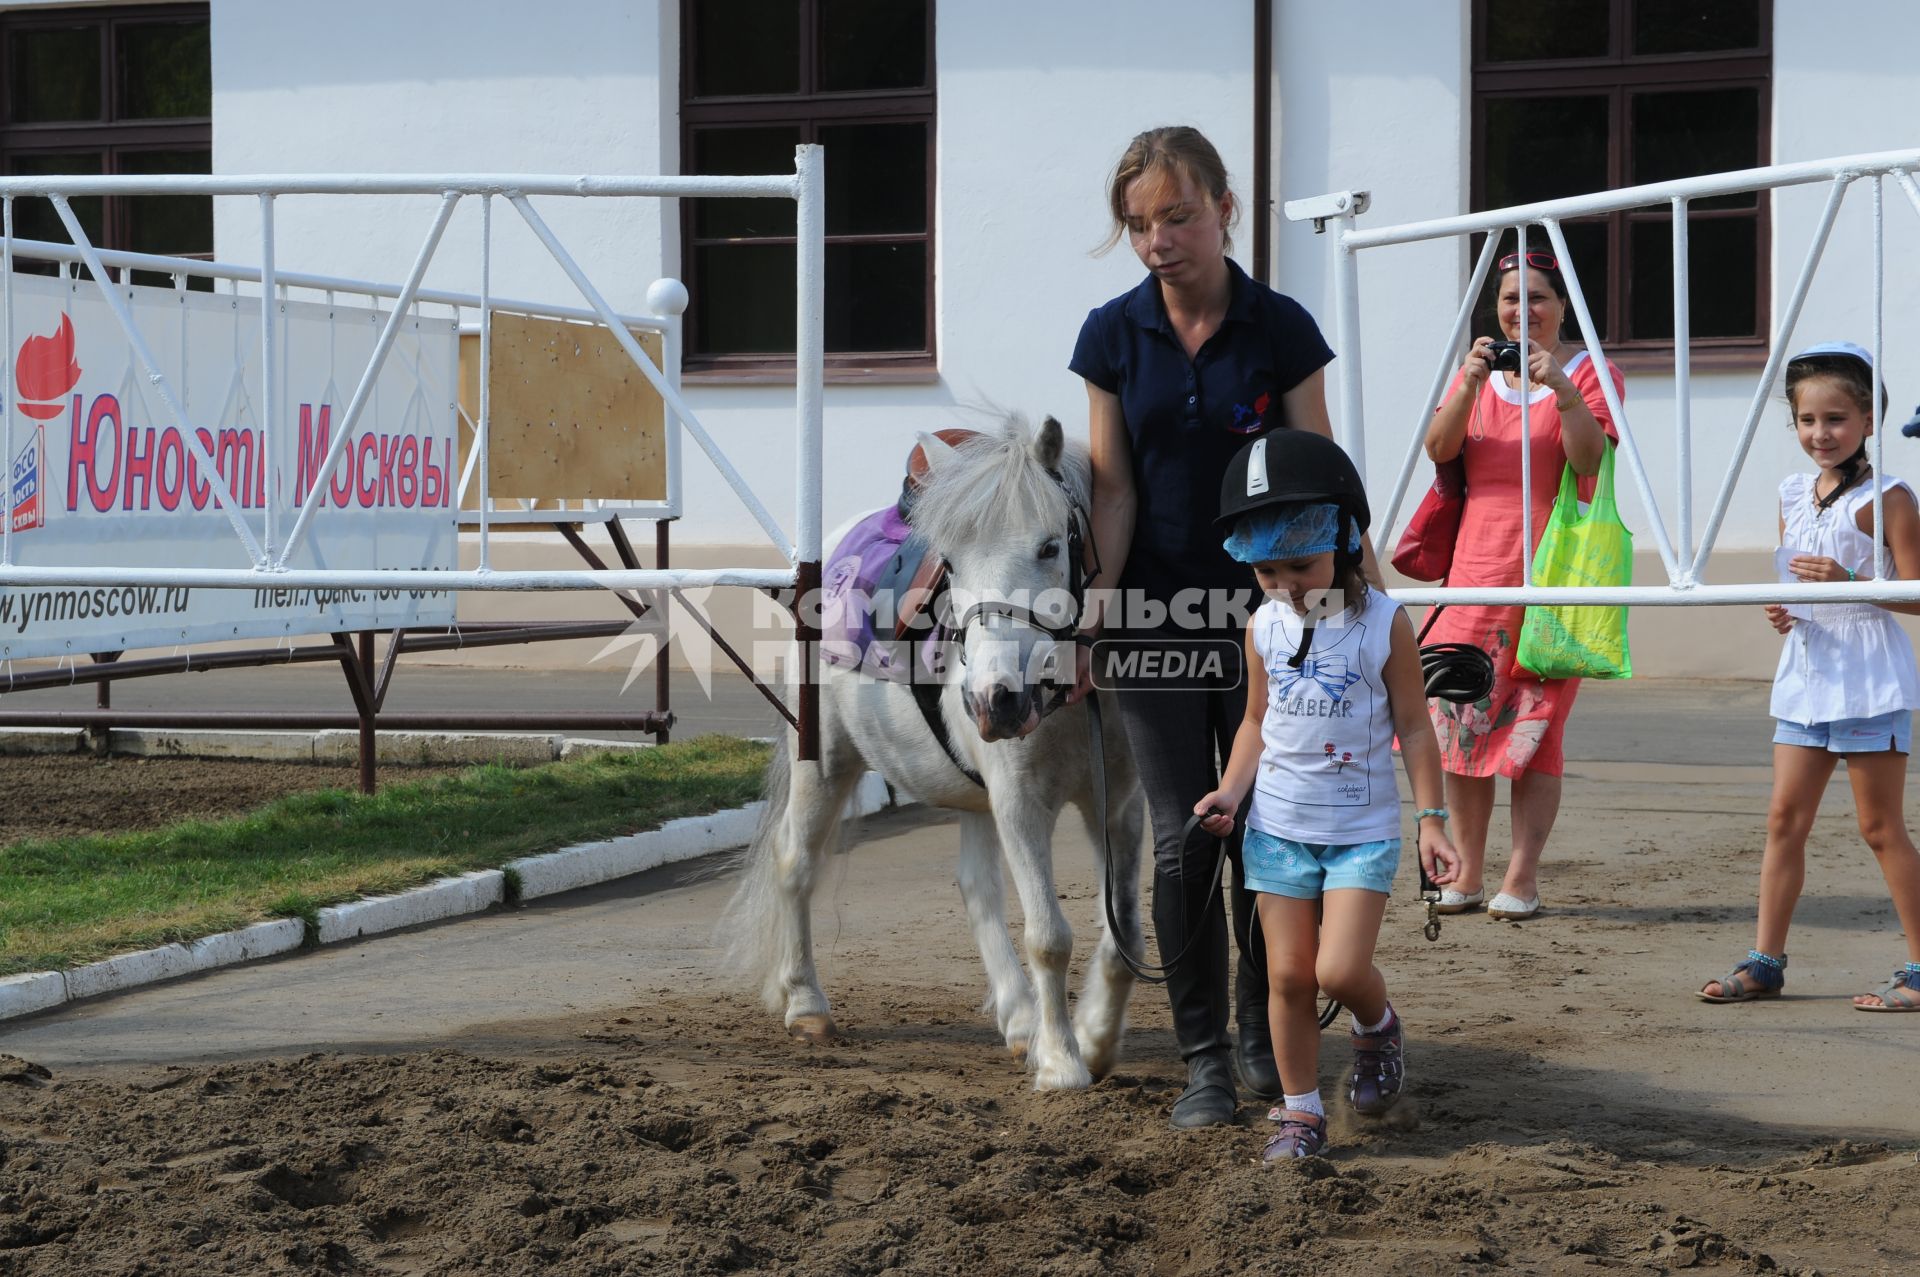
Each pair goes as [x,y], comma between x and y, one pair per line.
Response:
[46,371]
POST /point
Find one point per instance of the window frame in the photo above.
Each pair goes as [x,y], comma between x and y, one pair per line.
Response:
[1619,76]
[109,135]
[808,109]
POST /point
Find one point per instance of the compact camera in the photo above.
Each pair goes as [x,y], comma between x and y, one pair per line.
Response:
[1505,356]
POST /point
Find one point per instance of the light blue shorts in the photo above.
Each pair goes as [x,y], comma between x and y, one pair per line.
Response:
[1883,732]
[1305,870]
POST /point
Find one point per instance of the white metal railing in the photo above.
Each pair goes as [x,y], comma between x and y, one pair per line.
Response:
[1683,560]
[266,550]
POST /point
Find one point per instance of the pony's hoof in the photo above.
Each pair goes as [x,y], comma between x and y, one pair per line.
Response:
[816,1029]
[1099,1061]
[1072,1076]
[1018,1050]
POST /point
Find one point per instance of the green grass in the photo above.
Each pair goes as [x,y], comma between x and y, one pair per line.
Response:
[73,900]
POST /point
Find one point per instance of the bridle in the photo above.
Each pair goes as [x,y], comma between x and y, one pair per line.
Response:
[926,695]
[1080,545]
[1079,572]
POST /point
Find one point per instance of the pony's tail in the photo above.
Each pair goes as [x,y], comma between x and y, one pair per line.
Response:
[753,927]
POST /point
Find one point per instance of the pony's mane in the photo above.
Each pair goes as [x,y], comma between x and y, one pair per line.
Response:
[994,480]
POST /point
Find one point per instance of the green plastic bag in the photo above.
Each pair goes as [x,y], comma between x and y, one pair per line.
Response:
[1594,548]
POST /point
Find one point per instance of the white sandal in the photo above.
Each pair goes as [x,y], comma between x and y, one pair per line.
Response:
[1452,901]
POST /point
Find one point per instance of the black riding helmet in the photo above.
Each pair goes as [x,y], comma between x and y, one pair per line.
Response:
[1291,465]
[1297,467]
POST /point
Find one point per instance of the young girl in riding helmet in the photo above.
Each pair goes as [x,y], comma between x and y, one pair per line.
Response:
[1846,685]
[1333,675]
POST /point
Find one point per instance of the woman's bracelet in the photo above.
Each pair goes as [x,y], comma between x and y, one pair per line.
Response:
[1570,405]
[1425,812]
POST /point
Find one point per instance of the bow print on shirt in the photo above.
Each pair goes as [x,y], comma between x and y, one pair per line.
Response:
[1330,672]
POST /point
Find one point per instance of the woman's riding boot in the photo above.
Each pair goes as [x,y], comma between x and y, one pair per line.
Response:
[1197,990]
[1253,1041]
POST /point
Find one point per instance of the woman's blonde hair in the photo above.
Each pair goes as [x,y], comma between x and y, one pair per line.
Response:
[1175,151]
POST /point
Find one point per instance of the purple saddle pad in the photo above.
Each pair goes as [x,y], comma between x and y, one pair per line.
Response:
[861,590]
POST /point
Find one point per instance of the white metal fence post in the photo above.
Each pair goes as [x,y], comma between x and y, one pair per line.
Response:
[1682,383]
[483,428]
[1526,404]
[269,384]
[1880,549]
[1351,431]
[6,323]
[668,299]
[810,176]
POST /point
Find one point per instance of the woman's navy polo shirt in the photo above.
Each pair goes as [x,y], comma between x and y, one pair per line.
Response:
[1186,418]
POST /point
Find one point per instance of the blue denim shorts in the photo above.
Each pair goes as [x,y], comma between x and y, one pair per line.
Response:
[1304,870]
[1890,731]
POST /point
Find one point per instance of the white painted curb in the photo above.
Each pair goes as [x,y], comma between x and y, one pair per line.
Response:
[545,875]
[591,863]
[23,994]
[468,893]
[35,991]
[595,862]
[261,940]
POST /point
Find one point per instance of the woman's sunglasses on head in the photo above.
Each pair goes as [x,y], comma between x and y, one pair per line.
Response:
[1535,261]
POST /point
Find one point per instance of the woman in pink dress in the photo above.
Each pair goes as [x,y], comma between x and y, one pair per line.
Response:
[1516,730]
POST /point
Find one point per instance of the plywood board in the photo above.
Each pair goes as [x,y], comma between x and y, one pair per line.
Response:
[573,418]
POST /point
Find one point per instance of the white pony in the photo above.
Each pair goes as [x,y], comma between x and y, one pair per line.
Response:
[1003,509]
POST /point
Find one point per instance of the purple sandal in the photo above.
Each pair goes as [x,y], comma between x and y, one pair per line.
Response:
[1298,1137]
[1378,1071]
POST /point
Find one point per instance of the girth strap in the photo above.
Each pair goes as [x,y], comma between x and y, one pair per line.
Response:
[927,696]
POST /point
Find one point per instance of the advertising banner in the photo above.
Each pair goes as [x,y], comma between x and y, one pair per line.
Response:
[100,473]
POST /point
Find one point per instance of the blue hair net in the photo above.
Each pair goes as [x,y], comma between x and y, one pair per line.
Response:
[1290,530]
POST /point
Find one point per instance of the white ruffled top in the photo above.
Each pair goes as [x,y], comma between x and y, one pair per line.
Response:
[1851,660]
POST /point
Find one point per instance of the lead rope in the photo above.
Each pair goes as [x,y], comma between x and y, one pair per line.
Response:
[1141,968]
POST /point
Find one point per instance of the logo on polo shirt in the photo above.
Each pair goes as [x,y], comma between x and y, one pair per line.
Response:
[1247,420]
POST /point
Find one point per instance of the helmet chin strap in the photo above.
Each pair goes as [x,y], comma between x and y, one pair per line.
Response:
[1344,534]
[1299,657]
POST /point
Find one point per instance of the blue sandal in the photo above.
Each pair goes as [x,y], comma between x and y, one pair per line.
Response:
[1902,993]
[1760,976]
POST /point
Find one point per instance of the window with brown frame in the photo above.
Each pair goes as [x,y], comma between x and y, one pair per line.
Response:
[110,91]
[1576,96]
[759,77]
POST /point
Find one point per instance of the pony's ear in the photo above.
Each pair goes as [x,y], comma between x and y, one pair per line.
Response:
[1048,446]
[932,453]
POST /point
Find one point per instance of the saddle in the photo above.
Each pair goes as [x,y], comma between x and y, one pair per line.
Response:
[915,577]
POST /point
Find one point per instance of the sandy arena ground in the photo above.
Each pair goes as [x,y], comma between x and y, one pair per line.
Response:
[569,1088]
